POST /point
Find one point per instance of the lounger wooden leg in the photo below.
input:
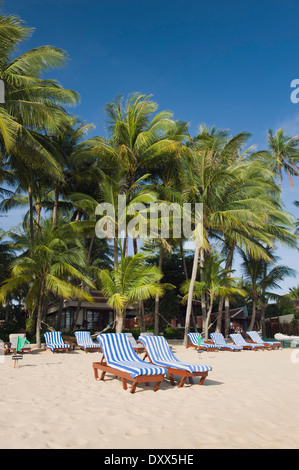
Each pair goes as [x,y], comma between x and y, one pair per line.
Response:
[171,379]
[191,380]
[125,386]
[103,375]
[133,388]
[156,387]
[203,378]
[96,374]
[181,384]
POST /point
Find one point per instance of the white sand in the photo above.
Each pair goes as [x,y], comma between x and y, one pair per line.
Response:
[249,400]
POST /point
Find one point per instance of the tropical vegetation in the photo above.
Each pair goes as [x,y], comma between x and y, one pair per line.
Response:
[60,174]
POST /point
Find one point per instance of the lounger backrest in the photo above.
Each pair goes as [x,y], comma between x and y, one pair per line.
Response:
[116,347]
[13,338]
[83,337]
[194,337]
[157,348]
[238,339]
[254,336]
[131,339]
[53,337]
[218,338]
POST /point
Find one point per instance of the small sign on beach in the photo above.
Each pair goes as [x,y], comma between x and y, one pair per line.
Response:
[16,359]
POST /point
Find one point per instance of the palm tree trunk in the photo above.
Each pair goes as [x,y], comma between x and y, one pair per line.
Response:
[190,295]
[55,207]
[203,295]
[37,220]
[228,266]
[115,252]
[194,322]
[263,318]
[157,300]
[208,317]
[40,313]
[252,321]
[31,211]
[227,317]
[120,319]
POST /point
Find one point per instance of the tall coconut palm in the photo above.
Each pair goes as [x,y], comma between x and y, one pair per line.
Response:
[56,265]
[232,205]
[215,283]
[129,283]
[32,104]
[260,278]
[283,154]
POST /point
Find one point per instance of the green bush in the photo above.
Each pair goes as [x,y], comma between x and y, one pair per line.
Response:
[174,333]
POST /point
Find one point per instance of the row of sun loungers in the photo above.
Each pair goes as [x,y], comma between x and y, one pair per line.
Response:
[240,343]
[120,355]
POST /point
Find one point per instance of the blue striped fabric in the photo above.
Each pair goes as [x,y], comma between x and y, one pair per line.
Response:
[240,341]
[256,337]
[84,340]
[119,354]
[160,353]
[194,340]
[54,340]
[219,340]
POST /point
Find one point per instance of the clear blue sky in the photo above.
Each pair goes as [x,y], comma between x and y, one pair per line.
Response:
[228,64]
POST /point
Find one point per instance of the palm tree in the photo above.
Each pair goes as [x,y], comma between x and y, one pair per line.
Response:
[215,283]
[260,279]
[283,154]
[129,283]
[33,106]
[236,207]
[54,265]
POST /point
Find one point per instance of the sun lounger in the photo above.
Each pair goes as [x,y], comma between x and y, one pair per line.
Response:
[255,337]
[220,342]
[120,359]
[240,341]
[85,341]
[54,342]
[159,353]
[151,333]
[13,338]
[137,347]
[4,347]
[194,338]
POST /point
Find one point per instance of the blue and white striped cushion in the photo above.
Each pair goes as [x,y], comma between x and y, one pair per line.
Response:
[84,340]
[255,337]
[194,340]
[160,353]
[219,340]
[239,340]
[120,355]
[54,340]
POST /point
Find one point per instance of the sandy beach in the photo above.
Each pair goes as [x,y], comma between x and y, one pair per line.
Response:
[248,401]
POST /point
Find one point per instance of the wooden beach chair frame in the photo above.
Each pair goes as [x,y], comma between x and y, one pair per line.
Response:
[202,348]
[254,347]
[184,374]
[125,376]
[226,346]
[268,346]
[59,348]
[86,348]
[118,350]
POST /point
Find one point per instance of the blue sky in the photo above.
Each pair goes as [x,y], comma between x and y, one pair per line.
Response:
[228,64]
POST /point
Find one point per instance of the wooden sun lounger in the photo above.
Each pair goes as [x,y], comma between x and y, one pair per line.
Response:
[125,376]
[117,350]
[164,357]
